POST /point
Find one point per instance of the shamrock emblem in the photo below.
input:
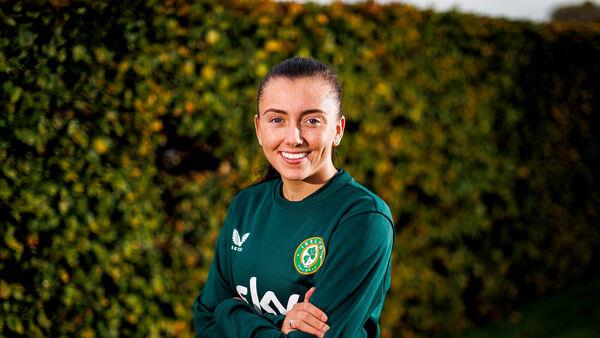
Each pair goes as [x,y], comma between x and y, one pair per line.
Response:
[311,254]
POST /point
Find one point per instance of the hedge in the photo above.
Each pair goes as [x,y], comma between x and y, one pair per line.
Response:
[127,128]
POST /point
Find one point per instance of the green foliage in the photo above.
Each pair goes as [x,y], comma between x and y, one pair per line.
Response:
[127,128]
[559,315]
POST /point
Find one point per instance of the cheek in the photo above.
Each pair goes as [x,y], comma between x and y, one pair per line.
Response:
[325,136]
[270,137]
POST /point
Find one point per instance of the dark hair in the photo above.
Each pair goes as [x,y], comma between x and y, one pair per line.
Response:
[295,68]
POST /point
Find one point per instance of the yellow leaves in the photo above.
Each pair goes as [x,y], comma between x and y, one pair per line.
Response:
[261,70]
[260,55]
[114,272]
[124,66]
[189,107]
[191,260]
[224,168]
[295,9]
[164,57]
[132,318]
[33,240]
[88,333]
[385,90]
[180,225]
[383,167]
[412,36]
[157,285]
[416,112]
[64,204]
[322,19]
[208,72]
[212,37]
[77,133]
[13,243]
[156,126]
[151,99]
[144,148]
[180,327]
[274,45]
[64,276]
[189,68]
[264,20]
[101,145]
[102,55]
[395,140]
[80,53]
[4,289]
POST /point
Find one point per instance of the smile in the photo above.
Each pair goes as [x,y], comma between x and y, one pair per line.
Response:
[293,156]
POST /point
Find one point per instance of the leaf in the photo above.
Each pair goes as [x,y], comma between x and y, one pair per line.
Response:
[236,237]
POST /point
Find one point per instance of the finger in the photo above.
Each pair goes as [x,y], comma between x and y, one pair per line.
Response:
[309,294]
[313,310]
[288,325]
[313,321]
[303,326]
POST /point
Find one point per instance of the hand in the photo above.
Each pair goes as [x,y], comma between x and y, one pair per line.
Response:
[305,317]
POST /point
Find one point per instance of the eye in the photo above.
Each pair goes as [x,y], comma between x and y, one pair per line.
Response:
[313,121]
[276,120]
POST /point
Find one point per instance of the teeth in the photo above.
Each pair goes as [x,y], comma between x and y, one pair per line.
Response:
[293,156]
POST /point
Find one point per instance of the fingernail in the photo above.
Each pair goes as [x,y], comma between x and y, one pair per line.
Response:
[324,318]
[325,328]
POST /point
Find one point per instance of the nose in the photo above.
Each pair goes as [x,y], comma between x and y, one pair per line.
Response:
[293,136]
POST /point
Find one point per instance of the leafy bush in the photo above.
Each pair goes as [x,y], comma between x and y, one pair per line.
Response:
[127,128]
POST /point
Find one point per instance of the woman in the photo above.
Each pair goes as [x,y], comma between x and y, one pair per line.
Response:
[312,231]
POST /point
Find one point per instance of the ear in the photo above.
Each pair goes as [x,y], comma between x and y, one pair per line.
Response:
[339,131]
[257,129]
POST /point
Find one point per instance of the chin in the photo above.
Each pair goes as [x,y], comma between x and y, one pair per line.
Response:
[293,176]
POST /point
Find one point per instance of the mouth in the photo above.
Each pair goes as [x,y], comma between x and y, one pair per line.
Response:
[293,156]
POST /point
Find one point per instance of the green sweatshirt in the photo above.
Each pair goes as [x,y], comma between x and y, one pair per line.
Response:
[271,251]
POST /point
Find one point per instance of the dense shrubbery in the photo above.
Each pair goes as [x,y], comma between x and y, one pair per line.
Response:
[127,127]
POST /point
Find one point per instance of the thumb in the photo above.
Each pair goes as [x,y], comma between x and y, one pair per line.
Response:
[309,294]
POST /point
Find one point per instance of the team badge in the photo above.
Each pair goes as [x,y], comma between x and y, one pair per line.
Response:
[309,255]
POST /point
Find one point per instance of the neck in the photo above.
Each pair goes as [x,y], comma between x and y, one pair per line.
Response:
[298,190]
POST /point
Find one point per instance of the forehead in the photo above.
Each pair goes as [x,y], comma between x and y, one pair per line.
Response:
[298,94]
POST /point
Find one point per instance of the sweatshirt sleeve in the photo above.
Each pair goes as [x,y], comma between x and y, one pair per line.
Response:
[217,314]
[351,285]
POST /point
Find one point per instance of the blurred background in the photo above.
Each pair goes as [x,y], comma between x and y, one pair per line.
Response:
[126,129]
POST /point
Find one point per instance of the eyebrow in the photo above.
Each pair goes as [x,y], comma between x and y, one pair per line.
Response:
[308,111]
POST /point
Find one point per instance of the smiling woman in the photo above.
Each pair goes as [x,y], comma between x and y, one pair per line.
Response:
[298,125]
[312,230]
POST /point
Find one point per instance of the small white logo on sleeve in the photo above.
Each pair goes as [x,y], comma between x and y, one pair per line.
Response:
[237,241]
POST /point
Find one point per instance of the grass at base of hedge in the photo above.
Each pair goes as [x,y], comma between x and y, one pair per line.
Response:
[573,312]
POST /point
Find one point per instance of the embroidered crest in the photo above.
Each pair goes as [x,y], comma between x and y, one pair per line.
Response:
[309,255]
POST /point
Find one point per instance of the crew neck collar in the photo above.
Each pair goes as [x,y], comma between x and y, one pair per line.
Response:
[335,182]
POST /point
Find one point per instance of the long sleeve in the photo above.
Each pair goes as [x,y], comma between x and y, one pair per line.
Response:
[216,313]
[351,285]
